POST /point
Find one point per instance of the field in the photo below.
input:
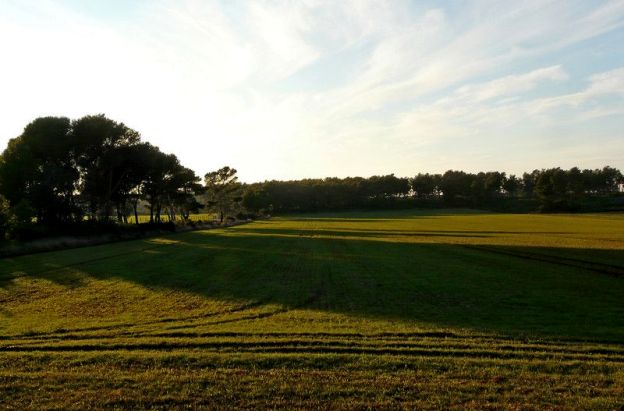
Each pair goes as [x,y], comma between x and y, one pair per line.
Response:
[144,218]
[405,309]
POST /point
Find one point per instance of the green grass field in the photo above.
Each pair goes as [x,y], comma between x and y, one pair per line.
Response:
[409,309]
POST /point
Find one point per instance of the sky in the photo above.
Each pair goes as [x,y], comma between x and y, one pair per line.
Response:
[314,88]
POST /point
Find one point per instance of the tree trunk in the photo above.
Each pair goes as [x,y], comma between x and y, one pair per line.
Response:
[136,214]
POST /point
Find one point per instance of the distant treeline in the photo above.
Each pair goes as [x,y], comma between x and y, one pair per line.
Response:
[548,190]
[71,176]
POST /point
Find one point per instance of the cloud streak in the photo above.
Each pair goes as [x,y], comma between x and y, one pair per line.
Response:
[316,88]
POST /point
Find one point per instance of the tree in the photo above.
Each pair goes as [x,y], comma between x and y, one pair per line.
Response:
[5,217]
[575,181]
[103,156]
[159,170]
[609,180]
[426,185]
[387,186]
[484,187]
[222,190]
[493,184]
[552,184]
[512,185]
[164,183]
[456,185]
[528,182]
[256,199]
[39,167]
[182,189]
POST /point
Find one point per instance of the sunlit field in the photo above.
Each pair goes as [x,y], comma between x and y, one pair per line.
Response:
[144,218]
[406,309]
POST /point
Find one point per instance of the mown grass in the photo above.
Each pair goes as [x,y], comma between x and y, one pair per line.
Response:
[403,309]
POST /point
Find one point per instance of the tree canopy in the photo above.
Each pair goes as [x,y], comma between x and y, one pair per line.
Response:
[223,191]
[95,167]
[60,172]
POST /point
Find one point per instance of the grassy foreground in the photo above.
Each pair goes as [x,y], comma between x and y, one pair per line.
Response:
[363,310]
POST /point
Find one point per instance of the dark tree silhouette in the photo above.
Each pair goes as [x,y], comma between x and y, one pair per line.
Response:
[39,168]
[223,191]
[57,171]
[102,156]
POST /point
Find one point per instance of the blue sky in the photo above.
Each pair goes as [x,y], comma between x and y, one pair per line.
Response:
[311,88]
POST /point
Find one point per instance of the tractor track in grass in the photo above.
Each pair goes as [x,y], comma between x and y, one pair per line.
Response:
[597,267]
[290,343]
[387,337]
[125,326]
[251,317]
[309,316]
[434,344]
[397,337]
[278,348]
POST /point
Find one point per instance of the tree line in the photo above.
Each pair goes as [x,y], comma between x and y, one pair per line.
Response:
[547,189]
[61,172]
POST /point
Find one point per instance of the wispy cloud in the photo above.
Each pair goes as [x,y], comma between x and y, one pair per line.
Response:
[290,89]
[601,85]
[511,85]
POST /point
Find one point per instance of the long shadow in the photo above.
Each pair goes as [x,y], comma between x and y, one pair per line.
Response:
[377,215]
[397,231]
[532,291]
[359,233]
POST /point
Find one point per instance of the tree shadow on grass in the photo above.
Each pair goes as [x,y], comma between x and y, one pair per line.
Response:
[381,215]
[533,291]
[394,231]
[360,233]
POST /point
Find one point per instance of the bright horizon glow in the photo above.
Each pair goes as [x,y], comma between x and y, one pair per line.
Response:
[289,90]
